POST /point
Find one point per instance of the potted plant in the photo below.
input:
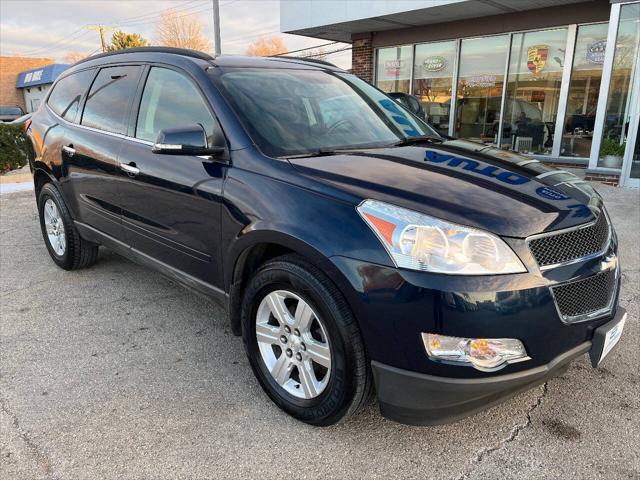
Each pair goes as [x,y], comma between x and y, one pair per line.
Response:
[611,153]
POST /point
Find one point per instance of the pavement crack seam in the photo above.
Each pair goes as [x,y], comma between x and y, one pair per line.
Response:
[41,458]
[513,435]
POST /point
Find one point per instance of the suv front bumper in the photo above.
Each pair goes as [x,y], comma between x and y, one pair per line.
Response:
[418,399]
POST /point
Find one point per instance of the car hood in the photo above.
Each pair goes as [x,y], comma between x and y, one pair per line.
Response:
[463,182]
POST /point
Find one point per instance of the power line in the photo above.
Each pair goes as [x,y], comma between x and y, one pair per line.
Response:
[254,34]
[152,18]
[156,19]
[68,38]
[76,34]
[68,43]
[166,10]
[101,29]
[322,54]
[303,49]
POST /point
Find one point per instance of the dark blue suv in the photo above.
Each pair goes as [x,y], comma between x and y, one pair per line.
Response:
[354,248]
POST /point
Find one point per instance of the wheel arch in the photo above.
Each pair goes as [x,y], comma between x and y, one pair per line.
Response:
[41,177]
[252,251]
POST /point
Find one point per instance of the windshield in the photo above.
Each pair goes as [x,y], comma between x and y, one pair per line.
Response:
[298,112]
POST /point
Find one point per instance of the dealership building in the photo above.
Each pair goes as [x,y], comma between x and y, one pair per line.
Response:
[556,81]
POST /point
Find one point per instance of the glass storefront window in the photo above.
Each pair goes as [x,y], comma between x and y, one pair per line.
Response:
[393,69]
[616,121]
[584,87]
[433,79]
[533,91]
[481,78]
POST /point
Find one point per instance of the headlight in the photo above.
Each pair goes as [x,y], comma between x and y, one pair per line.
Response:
[420,242]
[485,354]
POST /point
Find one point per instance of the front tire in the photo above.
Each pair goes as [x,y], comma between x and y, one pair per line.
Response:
[303,343]
[67,249]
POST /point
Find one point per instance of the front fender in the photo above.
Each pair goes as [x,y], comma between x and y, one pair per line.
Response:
[262,209]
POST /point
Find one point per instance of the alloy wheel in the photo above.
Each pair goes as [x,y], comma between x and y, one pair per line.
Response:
[54,227]
[293,344]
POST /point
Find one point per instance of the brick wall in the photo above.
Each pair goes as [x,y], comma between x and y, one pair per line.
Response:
[362,59]
[606,178]
[563,165]
[10,67]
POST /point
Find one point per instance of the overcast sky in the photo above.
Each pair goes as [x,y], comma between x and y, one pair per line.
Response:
[53,28]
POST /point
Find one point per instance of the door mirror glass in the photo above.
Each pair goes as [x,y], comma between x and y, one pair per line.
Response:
[185,140]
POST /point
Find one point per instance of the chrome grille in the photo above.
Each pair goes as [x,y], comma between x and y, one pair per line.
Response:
[586,298]
[553,249]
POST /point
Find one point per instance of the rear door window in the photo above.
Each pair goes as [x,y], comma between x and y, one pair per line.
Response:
[110,97]
[171,100]
[67,94]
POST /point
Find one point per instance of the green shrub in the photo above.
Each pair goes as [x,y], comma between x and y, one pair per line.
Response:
[611,146]
[15,147]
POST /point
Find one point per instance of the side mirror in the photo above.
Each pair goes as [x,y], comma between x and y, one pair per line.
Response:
[185,140]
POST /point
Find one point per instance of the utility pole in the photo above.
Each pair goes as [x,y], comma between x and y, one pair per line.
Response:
[101,29]
[216,27]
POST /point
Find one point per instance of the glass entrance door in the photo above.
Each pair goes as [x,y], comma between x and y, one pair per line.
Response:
[632,174]
[631,163]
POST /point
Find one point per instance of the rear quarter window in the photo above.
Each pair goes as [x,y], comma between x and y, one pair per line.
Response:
[67,94]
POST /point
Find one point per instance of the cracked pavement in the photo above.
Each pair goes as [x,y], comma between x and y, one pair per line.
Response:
[117,372]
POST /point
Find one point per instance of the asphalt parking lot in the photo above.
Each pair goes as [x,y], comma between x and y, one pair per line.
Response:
[116,372]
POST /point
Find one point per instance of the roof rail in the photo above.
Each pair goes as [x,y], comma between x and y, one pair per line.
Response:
[176,51]
[306,59]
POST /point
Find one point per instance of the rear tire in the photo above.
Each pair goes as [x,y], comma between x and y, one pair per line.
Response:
[325,374]
[67,249]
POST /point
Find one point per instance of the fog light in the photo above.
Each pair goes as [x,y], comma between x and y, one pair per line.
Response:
[485,354]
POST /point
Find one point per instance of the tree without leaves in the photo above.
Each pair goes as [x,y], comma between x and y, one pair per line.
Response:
[267,46]
[121,40]
[73,57]
[182,32]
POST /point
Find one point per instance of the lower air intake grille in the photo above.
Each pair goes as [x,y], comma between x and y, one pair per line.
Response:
[577,300]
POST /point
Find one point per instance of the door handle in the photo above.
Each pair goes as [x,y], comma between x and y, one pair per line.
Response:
[130,169]
[69,150]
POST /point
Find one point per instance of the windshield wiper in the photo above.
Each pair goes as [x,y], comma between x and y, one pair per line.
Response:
[417,139]
[325,152]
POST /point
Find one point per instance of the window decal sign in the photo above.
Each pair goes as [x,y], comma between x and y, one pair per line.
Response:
[434,63]
[481,81]
[393,67]
[537,58]
[595,51]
